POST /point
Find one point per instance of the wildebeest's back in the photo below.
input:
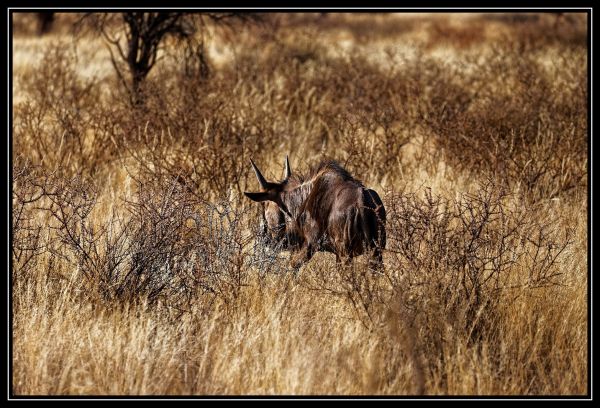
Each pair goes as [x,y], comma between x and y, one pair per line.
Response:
[344,221]
[326,209]
[355,221]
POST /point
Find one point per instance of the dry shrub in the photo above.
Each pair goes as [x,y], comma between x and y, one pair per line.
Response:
[322,104]
[566,29]
[454,264]
[451,269]
[462,36]
[163,244]
[38,24]
[508,119]
[60,122]
[463,254]
[27,239]
[183,246]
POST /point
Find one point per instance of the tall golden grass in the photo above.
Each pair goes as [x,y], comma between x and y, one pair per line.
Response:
[136,268]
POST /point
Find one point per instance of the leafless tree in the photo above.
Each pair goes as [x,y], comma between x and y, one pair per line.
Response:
[45,20]
[144,34]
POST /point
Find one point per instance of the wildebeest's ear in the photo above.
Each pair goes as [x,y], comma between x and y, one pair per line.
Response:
[288,169]
[258,197]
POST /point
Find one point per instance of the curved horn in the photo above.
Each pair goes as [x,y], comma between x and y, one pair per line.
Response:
[263,183]
[288,169]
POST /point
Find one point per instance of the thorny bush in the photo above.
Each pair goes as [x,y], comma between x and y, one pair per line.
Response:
[164,244]
[451,264]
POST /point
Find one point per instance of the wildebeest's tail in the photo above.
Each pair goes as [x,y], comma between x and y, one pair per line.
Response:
[377,222]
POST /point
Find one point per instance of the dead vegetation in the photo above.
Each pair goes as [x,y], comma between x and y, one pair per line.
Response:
[135,263]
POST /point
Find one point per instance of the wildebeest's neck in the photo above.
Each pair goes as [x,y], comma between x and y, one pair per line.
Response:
[295,196]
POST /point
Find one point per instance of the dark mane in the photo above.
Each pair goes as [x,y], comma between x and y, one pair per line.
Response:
[329,166]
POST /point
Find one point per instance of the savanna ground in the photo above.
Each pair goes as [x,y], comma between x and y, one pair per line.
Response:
[136,267]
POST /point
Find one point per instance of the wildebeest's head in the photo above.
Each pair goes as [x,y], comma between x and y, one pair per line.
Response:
[274,211]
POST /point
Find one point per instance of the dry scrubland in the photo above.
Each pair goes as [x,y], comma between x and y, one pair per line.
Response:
[135,264]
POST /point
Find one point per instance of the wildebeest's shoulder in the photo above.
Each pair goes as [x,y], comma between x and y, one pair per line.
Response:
[332,169]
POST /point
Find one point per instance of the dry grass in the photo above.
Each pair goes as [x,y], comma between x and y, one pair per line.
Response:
[135,265]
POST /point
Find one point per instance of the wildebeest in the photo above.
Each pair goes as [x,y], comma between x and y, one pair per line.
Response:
[325,210]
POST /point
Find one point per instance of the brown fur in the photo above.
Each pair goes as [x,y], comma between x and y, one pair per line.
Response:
[326,210]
